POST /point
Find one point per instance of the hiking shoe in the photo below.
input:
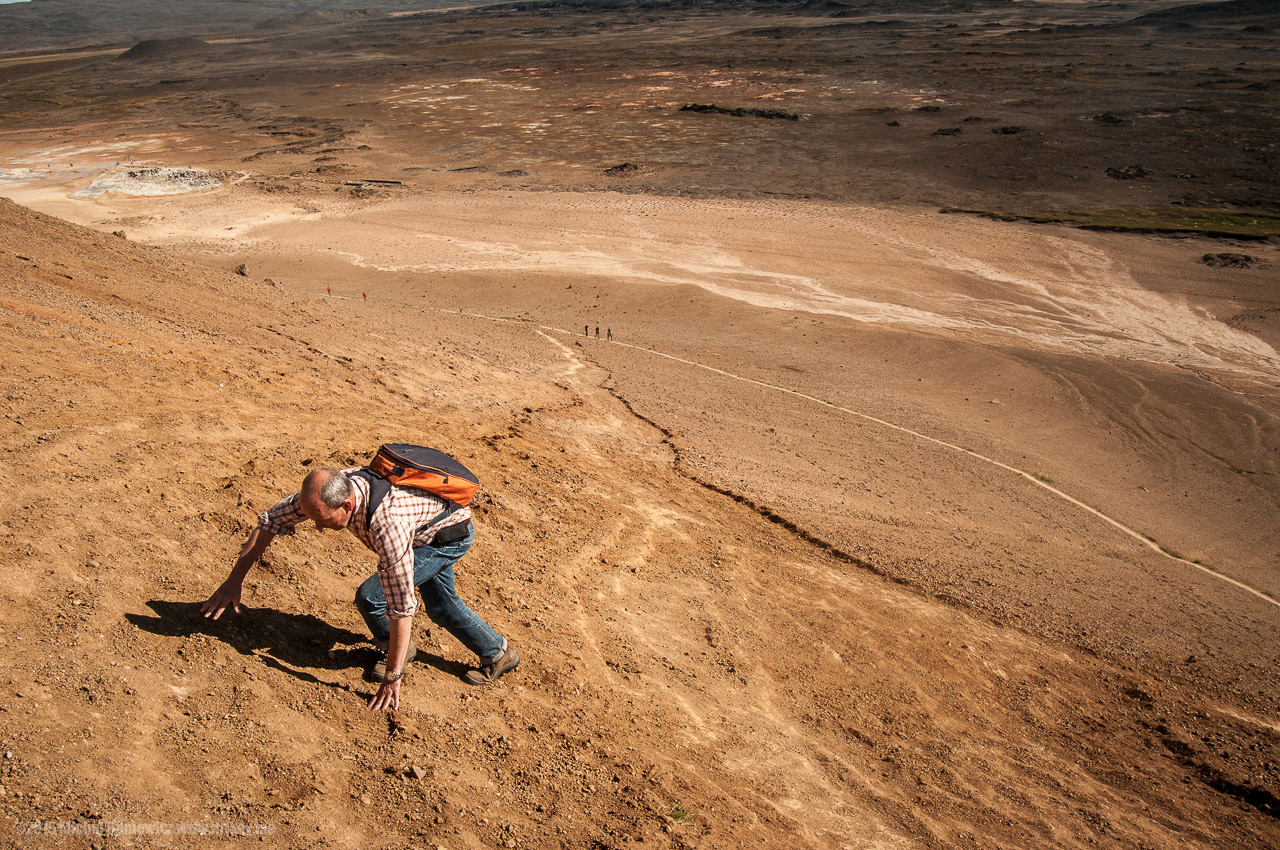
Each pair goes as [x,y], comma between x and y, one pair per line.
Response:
[489,673]
[378,672]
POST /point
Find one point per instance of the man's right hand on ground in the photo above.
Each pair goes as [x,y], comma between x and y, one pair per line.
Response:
[227,594]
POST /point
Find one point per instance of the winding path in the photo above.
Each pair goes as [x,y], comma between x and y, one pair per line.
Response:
[943,443]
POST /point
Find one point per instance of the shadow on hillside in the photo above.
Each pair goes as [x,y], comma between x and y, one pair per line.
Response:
[291,643]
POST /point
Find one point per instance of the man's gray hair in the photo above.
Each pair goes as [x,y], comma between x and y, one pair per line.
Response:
[336,490]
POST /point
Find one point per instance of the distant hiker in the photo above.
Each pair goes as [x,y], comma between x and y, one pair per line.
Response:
[597,331]
[586,330]
[330,288]
[366,295]
[417,541]
[610,336]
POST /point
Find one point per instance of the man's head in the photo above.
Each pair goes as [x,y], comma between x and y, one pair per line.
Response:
[327,498]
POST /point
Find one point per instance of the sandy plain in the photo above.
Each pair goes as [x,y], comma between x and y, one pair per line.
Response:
[872,526]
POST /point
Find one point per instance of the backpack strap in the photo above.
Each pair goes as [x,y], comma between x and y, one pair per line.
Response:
[379,487]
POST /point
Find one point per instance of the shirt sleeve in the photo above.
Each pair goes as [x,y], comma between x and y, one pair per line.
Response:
[282,517]
[393,543]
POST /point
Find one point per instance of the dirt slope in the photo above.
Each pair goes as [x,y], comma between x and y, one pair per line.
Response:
[695,674]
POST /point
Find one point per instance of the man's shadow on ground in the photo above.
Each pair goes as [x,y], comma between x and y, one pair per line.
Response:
[291,643]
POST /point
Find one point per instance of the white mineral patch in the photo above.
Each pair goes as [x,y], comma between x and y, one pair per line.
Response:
[150,182]
[20,175]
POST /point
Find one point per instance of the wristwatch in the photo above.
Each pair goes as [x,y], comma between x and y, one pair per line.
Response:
[392,677]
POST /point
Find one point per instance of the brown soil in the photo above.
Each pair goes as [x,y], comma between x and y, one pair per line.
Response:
[872,527]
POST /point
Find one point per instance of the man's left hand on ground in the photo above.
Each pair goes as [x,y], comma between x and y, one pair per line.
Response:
[388,696]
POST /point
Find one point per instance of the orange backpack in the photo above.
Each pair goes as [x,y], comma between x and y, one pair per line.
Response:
[407,465]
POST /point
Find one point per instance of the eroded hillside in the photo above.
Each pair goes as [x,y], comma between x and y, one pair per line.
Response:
[694,674]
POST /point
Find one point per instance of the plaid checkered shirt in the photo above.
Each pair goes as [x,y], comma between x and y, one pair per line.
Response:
[405,519]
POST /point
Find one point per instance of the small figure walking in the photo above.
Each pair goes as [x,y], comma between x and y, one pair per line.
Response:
[366,295]
[597,331]
[586,330]
[330,288]
[609,332]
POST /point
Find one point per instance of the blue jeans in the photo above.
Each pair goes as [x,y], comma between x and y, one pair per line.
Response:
[433,575]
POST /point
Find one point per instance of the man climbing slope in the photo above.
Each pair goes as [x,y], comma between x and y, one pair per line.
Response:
[417,539]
